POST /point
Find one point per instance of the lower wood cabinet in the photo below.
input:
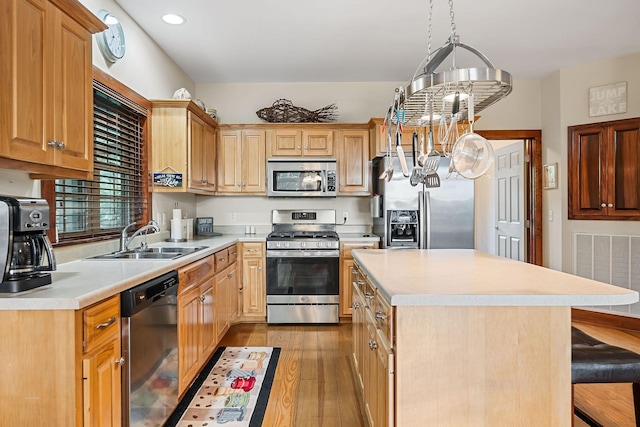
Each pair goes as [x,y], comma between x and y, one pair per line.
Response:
[101,375]
[207,304]
[197,336]
[347,271]
[253,288]
[373,356]
[226,300]
[101,364]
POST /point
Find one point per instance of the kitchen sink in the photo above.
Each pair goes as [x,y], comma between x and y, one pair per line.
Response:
[162,252]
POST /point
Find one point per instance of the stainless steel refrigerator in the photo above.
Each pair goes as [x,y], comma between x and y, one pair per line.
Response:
[417,217]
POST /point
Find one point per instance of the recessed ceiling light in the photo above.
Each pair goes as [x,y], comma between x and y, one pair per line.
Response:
[173,19]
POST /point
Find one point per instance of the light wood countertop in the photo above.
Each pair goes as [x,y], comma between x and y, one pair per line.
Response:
[466,277]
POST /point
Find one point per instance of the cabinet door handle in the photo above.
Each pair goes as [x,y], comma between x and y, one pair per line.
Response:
[610,205]
[604,205]
[356,306]
[223,259]
[120,361]
[380,315]
[299,147]
[373,345]
[106,324]
[241,289]
[55,144]
[259,268]
[201,299]
[229,276]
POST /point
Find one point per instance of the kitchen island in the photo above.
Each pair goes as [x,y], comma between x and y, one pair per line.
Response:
[472,339]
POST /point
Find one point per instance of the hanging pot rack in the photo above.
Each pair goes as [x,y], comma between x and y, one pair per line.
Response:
[423,99]
[488,84]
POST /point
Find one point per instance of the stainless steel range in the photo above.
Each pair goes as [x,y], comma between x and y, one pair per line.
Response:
[303,267]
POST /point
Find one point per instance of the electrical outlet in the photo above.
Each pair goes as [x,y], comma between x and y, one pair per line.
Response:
[233,216]
[345,216]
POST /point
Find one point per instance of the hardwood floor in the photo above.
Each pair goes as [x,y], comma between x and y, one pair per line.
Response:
[609,404]
[313,385]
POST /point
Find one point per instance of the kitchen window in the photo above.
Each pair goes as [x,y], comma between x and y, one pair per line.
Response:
[88,210]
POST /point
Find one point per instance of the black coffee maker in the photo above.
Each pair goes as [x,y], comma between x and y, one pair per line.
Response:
[26,255]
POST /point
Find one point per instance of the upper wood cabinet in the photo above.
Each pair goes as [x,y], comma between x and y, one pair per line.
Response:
[241,161]
[353,163]
[378,139]
[46,82]
[296,143]
[183,141]
[604,170]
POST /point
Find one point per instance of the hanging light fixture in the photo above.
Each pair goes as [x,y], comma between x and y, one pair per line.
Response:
[432,89]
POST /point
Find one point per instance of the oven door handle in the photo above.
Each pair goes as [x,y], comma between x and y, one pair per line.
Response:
[303,254]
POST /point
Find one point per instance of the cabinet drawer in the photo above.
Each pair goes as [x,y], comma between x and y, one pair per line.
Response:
[348,247]
[196,272]
[101,323]
[369,291]
[233,253]
[252,250]
[222,259]
[384,317]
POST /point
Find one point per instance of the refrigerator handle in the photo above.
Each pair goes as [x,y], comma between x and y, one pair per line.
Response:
[424,222]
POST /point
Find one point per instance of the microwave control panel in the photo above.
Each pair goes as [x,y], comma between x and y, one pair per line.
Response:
[331,181]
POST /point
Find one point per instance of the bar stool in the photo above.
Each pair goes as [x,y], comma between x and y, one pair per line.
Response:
[593,361]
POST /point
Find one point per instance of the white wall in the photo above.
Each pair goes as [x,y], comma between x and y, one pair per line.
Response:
[145,67]
[565,96]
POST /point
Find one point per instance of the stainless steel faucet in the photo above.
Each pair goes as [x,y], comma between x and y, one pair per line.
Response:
[124,240]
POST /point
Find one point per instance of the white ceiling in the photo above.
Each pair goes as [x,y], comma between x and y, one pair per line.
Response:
[376,40]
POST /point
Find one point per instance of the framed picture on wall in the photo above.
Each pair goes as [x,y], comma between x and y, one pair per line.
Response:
[550,176]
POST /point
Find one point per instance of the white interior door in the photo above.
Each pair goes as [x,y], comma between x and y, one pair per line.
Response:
[510,213]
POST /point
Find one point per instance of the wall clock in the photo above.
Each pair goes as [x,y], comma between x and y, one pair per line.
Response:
[111,41]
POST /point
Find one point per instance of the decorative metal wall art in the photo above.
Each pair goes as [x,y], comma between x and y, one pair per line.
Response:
[283,111]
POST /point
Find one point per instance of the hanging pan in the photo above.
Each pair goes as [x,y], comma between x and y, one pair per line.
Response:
[472,154]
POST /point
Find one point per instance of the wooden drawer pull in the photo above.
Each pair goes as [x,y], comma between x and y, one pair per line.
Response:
[107,323]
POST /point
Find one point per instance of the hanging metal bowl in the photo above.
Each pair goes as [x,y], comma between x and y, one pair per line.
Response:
[472,155]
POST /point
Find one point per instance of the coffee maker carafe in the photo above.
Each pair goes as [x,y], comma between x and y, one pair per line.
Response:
[26,255]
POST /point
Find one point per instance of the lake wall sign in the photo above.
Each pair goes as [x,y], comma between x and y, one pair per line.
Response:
[608,99]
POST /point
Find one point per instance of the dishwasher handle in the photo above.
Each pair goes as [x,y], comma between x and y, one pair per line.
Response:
[137,298]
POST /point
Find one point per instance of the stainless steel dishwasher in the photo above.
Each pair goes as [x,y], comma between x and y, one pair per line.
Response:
[150,347]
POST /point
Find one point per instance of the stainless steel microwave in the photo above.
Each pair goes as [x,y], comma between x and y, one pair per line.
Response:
[294,177]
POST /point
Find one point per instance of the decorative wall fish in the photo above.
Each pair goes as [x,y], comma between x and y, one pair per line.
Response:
[283,111]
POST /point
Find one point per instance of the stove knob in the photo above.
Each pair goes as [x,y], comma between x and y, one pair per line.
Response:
[286,244]
[303,244]
[277,244]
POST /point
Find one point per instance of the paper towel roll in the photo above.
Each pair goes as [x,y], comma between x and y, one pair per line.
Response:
[176,228]
[177,214]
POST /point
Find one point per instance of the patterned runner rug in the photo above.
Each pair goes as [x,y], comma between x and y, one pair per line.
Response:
[232,390]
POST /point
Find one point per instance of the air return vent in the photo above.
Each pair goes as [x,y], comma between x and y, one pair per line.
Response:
[613,259]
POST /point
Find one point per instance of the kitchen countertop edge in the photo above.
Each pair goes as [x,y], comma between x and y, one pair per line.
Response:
[81,283]
[387,271]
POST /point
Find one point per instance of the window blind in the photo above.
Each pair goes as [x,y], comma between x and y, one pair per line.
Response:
[115,196]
